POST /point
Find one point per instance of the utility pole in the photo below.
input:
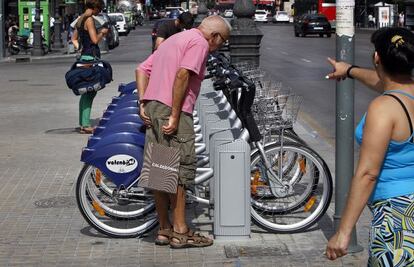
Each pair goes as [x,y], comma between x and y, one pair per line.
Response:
[344,150]
[2,17]
[37,32]
[365,14]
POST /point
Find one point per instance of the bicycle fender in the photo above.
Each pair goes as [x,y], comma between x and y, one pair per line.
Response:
[125,110]
[120,118]
[120,162]
[117,137]
[127,126]
[127,88]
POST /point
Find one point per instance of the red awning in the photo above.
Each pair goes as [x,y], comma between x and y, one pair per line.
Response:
[267,2]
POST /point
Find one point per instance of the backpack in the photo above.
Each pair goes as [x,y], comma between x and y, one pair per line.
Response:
[85,77]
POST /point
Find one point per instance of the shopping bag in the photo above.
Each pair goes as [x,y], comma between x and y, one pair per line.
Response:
[160,168]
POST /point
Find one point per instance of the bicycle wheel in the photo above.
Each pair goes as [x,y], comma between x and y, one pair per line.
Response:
[121,213]
[289,135]
[304,195]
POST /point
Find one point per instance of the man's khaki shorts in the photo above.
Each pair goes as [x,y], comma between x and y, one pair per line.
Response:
[183,139]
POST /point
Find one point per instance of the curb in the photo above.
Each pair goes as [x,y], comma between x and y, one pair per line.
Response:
[29,58]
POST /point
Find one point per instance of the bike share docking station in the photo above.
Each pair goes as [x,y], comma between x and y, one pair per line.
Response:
[229,156]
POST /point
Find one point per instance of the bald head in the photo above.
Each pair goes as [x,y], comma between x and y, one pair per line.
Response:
[216,30]
[215,23]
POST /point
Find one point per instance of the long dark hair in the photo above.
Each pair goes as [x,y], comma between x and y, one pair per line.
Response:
[395,47]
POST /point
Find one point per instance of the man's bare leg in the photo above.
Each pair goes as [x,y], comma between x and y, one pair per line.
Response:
[178,210]
[161,205]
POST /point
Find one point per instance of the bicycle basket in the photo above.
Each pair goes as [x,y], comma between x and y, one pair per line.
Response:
[276,112]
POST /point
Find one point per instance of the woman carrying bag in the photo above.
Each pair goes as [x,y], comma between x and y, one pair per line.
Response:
[86,38]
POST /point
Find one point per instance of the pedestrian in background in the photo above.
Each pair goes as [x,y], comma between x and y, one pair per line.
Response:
[85,32]
[167,28]
[169,82]
[401,19]
[52,29]
[384,177]
[371,21]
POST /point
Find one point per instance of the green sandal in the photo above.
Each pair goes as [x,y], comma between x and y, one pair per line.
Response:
[189,240]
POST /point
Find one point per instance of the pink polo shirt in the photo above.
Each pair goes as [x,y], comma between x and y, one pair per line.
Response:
[187,49]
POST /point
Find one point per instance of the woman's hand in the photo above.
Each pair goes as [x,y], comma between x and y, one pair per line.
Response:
[144,117]
[104,31]
[340,69]
[337,246]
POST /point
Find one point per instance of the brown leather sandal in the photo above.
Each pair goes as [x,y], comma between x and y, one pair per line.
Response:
[164,233]
[86,130]
[189,240]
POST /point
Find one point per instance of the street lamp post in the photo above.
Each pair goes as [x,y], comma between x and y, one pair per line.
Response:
[202,12]
[245,37]
[57,41]
[365,14]
[37,32]
[344,145]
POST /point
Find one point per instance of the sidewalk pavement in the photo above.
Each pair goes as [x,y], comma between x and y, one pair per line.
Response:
[40,224]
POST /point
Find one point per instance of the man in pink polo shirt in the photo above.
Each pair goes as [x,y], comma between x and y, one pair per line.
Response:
[169,83]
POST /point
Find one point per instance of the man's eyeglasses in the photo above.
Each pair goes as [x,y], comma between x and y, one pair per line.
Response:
[221,36]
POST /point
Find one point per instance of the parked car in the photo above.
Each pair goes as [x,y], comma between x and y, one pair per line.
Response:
[228,13]
[174,14]
[312,24]
[260,15]
[281,16]
[121,23]
[154,14]
[113,36]
[169,9]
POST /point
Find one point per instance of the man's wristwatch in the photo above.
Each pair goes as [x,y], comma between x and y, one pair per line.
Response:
[348,71]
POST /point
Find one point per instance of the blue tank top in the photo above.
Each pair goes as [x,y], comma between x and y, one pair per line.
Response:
[396,177]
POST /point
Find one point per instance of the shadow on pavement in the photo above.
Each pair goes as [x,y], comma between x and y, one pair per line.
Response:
[89,231]
[63,131]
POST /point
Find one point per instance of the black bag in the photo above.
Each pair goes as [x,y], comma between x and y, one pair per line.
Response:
[86,76]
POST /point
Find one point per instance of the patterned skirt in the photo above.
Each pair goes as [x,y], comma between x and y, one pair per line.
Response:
[392,232]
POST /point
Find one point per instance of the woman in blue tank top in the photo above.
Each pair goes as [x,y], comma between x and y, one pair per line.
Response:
[87,38]
[384,178]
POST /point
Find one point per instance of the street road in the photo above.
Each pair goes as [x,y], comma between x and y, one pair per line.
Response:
[299,63]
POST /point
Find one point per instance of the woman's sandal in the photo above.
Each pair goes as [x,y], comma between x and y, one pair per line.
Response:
[164,233]
[189,240]
[86,130]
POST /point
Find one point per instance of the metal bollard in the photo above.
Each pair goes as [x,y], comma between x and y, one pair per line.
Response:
[232,191]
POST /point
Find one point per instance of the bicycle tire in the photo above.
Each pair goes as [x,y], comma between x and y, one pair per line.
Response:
[283,219]
[96,211]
